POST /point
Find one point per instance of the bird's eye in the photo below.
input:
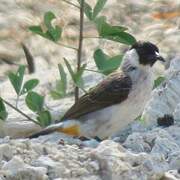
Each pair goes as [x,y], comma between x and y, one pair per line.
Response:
[132,68]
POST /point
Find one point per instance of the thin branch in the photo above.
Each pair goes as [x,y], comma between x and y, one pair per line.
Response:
[72,4]
[92,37]
[67,46]
[17,100]
[19,111]
[79,53]
[93,71]
[85,92]
[10,62]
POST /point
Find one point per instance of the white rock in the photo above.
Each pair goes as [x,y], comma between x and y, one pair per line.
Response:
[147,141]
[90,143]
[176,113]
[54,169]
[165,98]
[141,146]
[164,146]
[27,173]
[18,129]
[174,160]
[6,152]
[171,175]
[174,131]
[14,164]
[117,164]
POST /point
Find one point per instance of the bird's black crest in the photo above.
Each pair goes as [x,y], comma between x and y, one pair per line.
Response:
[146,51]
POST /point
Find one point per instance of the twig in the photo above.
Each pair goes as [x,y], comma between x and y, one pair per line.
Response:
[85,92]
[92,37]
[93,71]
[9,62]
[79,53]
[17,100]
[29,59]
[19,111]
[72,4]
[67,46]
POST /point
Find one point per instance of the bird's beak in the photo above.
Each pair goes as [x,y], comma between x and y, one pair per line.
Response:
[160,58]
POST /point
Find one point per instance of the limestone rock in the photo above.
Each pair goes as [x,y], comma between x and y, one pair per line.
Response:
[166,98]
[171,175]
[117,164]
[6,152]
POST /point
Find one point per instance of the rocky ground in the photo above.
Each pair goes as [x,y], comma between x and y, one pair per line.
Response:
[142,151]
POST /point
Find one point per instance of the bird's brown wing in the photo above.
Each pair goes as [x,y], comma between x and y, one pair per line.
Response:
[114,89]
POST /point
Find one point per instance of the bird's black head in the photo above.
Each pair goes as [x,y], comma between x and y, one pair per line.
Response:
[148,53]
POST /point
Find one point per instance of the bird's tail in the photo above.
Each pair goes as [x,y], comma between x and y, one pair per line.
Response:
[63,127]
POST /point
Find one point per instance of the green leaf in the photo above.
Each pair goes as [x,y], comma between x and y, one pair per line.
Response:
[17,79]
[56,33]
[3,112]
[98,7]
[106,64]
[114,33]
[87,10]
[52,33]
[48,17]
[44,118]
[62,84]
[69,69]
[158,81]
[100,58]
[36,30]
[76,77]
[99,22]
[34,101]
[141,119]
[106,29]
[56,95]
[29,85]
[122,37]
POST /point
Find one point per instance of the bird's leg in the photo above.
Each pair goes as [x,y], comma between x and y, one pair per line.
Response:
[83,138]
[97,139]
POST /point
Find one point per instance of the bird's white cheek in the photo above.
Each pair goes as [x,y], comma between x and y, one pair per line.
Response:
[130,58]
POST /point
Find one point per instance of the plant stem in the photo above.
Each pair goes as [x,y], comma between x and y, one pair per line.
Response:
[19,111]
[93,71]
[17,100]
[72,4]
[79,53]
[92,37]
[67,46]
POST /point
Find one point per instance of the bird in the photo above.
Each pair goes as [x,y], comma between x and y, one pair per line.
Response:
[116,101]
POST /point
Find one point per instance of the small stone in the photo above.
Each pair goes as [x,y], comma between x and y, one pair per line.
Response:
[61,142]
[171,175]
[164,146]
[90,143]
[165,121]
[174,160]
[6,152]
[94,165]
[141,146]
[14,164]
